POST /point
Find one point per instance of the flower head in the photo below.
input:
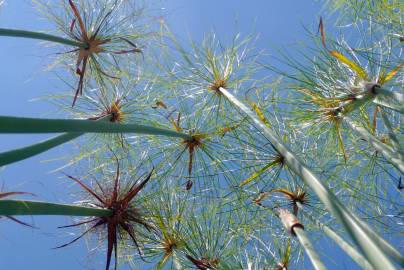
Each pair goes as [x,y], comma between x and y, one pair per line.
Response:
[125,216]
[201,153]
[199,74]
[106,30]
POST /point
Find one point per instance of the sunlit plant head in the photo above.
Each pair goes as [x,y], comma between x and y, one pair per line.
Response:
[263,164]
[341,79]
[204,157]
[268,245]
[264,168]
[169,212]
[210,242]
[265,255]
[386,14]
[199,70]
[120,103]
[121,192]
[348,66]
[369,58]
[108,28]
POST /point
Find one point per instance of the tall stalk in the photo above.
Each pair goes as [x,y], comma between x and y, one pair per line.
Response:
[377,254]
[292,225]
[392,135]
[308,247]
[376,94]
[395,157]
[42,36]
[176,262]
[388,99]
[345,246]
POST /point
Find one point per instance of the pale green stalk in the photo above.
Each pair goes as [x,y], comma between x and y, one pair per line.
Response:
[376,254]
[389,99]
[295,228]
[392,135]
[345,246]
[360,99]
[309,249]
[394,157]
[176,262]
[378,95]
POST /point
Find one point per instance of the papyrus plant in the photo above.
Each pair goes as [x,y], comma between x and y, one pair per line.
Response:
[203,166]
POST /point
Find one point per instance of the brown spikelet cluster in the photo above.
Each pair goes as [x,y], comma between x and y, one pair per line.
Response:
[125,218]
[95,44]
[217,84]
[298,196]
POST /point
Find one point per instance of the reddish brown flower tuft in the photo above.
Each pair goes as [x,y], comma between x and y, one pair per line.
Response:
[125,218]
[95,44]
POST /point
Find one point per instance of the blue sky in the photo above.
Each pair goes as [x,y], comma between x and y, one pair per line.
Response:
[279,23]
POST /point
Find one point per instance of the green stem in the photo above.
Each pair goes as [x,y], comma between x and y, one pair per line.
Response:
[345,246]
[309,249]
[358,231]
[42,36]
[389,99]
[176,262]
[378,95]
[392,135]
[395,158]
[360,99]
[22,207]
[35,125]
[35,149]
[295,228]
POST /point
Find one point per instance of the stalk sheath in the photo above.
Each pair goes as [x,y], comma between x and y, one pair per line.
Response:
[42,36]
[374,250]
[295,228]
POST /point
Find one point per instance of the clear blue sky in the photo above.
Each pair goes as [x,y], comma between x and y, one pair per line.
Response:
[23,78]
